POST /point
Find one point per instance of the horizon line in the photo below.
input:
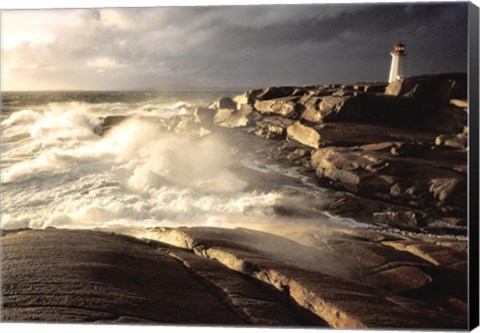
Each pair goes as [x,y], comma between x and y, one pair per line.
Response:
[136,90]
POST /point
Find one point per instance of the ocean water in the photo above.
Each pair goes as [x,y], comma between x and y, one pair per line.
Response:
[56,171]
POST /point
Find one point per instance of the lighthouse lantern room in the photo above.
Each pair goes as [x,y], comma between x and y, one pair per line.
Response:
[398,62]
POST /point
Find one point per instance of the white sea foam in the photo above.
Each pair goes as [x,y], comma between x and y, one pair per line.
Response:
[64,175]
[55,171]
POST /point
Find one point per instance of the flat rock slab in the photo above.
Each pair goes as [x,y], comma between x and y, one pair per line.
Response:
[340,302]
[351,134]
[70,276]
[436,254]
[250,301]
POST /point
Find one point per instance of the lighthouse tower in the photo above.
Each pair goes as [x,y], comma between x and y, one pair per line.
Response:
[398,62]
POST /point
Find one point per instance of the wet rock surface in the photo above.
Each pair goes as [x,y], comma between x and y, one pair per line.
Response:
[323,277]
[349,279]
[404,143]
[74,275]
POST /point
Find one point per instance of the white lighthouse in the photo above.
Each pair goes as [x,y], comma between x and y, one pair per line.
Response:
[398,62]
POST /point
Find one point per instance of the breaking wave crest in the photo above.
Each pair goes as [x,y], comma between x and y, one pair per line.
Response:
[57,172]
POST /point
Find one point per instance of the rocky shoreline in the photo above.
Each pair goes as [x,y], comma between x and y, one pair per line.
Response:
[403,144]
[323,277]
[393,156]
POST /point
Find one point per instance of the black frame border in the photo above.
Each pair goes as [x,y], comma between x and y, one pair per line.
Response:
[473,218]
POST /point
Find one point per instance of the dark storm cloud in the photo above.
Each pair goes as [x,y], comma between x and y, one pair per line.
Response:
[240,46]
[351,44]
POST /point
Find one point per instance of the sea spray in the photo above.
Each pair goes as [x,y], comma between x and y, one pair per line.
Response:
[57,171]
[65,175]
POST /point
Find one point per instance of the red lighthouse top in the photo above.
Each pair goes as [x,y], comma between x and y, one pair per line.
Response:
[399,48]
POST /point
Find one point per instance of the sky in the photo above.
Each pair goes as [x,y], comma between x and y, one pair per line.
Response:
[226,47]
